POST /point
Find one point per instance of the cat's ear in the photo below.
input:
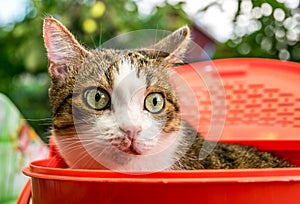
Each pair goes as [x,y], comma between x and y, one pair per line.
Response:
[64,51]
[175,45]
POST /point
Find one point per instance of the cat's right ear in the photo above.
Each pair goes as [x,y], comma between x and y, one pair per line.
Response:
[64,51]
[174,46]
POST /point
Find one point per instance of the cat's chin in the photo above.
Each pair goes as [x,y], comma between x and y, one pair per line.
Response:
[132,151]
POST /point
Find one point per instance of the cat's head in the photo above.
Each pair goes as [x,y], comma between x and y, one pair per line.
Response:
[114,108]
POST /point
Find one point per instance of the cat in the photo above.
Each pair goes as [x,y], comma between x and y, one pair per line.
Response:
[116,109]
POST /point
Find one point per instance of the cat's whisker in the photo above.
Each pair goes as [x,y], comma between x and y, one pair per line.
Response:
[82,157]
[74,142]
[38,119]
[88,159]
[102,152]
[73,150]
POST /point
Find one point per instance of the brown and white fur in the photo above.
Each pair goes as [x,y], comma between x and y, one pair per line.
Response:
[125,136]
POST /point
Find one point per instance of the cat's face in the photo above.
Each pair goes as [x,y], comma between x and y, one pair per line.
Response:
[114,109]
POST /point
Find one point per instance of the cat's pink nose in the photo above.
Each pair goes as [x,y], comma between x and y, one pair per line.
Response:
[131,130]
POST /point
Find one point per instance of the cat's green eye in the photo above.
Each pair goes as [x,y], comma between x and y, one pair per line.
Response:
[154,103]
[97,99]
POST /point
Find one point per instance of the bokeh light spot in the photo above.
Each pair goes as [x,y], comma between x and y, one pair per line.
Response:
[266,9]
[284,54]
[279,14]
[89,25]
[98,9]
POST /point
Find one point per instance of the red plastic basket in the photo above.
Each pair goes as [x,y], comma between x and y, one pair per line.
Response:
[263,110]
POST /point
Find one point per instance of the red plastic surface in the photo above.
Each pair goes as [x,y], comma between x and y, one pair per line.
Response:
[58,185]
[262,101]
[25,194]
[263,111]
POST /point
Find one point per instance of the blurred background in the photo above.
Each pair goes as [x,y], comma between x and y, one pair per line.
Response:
[223,28]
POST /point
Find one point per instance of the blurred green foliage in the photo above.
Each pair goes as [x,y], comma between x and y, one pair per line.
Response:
[23,61]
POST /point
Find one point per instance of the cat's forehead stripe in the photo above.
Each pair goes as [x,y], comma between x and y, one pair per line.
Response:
[126,80]
[125,71]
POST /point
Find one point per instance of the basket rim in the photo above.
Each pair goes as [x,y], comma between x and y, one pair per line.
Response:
[38,170]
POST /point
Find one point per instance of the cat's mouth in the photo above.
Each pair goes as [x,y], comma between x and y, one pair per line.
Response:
[131,150]
[126,145]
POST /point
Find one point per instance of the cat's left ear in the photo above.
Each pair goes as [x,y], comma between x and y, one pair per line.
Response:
[174,45]
[64,52]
